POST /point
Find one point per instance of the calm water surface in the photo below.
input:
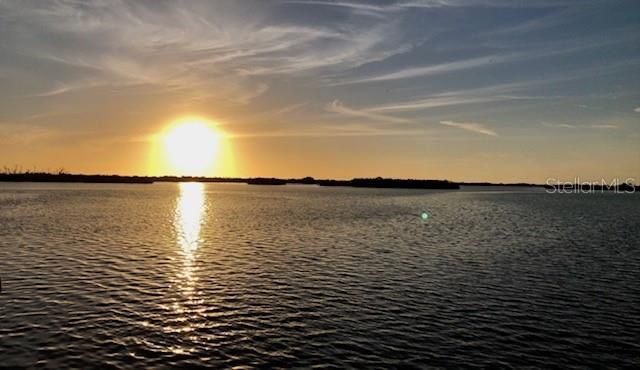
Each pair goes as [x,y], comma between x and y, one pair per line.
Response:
[230,275]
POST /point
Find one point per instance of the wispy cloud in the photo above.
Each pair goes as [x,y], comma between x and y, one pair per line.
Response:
[337,107]
[573,126]
[65,88]
[470,126]
[547,50]
[558,125]
[370,9]
[441,101]
[637,110]
[427,4]
[53,92]
[194,47]
[433,69]
[513,91]
[487,94]
[259,90]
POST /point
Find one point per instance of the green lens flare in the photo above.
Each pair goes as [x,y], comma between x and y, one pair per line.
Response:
[424,216]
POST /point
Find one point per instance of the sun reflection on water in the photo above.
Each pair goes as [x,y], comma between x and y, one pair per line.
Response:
[189,215]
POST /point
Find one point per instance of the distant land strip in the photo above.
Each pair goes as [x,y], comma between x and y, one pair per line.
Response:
[377,182]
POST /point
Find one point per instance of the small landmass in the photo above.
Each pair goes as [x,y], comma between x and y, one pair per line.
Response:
[66,177]
[378,182]
[266,181]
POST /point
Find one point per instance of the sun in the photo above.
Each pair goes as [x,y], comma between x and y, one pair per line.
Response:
[191,146]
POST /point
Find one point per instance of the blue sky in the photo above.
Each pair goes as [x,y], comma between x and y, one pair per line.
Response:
[460,89]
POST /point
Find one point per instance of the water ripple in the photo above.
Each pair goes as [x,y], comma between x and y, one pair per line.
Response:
[162,276]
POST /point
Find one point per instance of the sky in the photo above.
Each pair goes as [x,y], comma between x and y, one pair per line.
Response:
[465,90]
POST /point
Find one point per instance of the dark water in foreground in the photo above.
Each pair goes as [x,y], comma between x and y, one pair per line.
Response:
[163,275]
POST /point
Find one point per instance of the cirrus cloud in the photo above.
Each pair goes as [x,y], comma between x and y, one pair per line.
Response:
[470,126]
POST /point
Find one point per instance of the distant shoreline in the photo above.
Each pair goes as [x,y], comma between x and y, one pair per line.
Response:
[116,179]
[378,182]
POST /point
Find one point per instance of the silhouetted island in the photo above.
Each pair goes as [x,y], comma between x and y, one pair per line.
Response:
[266,181]
[378,182]
[66,177]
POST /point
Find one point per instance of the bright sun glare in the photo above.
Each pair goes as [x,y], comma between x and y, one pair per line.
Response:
[191,146]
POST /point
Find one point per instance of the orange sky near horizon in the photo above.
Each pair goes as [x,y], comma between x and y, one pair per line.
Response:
[337,157]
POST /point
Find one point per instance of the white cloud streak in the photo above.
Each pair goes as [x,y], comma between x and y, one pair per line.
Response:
[558,125]
[434,69]
[573,126]
[337,107]
[470,126]
[428,4]
[554,49]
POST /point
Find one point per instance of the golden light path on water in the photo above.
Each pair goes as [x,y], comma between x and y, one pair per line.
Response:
[189,215]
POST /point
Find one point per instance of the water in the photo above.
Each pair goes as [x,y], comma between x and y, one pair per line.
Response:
[231,275]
